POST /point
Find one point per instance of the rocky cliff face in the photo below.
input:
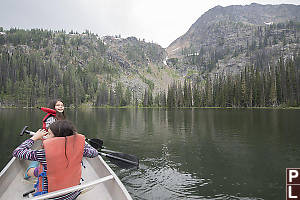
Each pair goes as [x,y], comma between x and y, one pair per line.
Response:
[141,64]
[228,38]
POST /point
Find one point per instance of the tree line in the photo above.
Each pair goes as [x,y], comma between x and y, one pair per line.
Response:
[32,71]
[277,85]
[28,80]
[37,65]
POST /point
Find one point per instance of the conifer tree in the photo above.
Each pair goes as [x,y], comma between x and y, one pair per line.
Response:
[163,101]
[243,89]
[180,95]
[150,98]
[111,97]
[128,96]
[146,98]
[171,101]
[196,95]
[208,92]
[119,94]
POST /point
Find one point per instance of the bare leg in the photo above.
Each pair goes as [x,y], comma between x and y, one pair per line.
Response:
[30,172]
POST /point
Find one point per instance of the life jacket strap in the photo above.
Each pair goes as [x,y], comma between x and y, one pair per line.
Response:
[40,193]
[83,164]
[42,174]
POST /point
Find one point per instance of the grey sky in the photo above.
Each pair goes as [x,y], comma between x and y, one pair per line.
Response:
[160,21]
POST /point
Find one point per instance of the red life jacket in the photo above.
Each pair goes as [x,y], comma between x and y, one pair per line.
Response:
[50,112]
[62,171]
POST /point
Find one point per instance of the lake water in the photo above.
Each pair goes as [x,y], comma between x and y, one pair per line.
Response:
[185,153]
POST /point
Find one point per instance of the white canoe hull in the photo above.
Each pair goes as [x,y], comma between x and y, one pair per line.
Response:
[100,182]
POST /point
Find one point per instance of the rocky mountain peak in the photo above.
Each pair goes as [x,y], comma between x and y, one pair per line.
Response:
[252,15]
[226,39]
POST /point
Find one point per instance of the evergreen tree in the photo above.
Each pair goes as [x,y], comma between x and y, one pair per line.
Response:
[163,101]
[208,92]
[171,99]
[128,96]
[119,94]
[146,99]
[150,98]
[111,97]
[243,89]
[196,95]
[179,95]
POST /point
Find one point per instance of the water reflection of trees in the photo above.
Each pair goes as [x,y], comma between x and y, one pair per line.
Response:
[12,121]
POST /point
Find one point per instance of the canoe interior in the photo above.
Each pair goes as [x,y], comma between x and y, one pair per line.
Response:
[13,185]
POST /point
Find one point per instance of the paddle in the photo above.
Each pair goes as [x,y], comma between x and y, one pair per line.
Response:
[115,157]
[24,130]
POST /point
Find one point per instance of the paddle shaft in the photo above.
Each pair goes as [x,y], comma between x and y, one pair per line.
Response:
[32,133]
[27,193]
[117,158]
[127,158]
[29,132]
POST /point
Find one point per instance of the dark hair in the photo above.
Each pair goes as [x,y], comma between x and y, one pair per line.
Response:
[62,128]
[52,103]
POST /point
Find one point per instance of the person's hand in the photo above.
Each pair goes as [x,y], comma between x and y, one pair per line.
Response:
[39,135]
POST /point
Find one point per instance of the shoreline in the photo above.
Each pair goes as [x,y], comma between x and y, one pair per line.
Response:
[156,107]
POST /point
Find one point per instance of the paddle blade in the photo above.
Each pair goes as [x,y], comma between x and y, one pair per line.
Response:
[118,158]
[121,159]
[121,164]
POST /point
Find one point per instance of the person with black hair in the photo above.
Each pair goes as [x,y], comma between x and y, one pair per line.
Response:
[54,112]
[59,160]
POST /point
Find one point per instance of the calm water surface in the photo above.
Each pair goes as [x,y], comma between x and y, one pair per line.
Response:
[185,153]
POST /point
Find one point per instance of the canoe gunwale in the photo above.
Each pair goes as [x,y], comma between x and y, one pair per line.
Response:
[7,166]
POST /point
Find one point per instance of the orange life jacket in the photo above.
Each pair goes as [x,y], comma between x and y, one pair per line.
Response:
[63,162]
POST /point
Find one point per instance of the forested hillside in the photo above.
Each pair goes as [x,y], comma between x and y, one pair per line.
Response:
[38,65]
[278,85]
[240,55]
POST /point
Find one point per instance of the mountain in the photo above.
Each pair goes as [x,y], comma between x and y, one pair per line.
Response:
[226,39]
[37,65]
[235,56]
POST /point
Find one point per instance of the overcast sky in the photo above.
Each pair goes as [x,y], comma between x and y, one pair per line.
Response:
[160,21]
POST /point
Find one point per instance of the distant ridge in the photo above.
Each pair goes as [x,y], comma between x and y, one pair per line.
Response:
[226,39]
[253,14]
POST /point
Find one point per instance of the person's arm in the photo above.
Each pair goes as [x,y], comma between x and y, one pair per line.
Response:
[89,151]
[48,110]
[24,152]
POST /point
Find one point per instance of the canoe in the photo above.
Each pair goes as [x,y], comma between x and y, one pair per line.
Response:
[99,182]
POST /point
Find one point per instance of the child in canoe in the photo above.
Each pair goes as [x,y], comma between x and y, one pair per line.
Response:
[54,112]
[59,160]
